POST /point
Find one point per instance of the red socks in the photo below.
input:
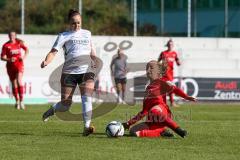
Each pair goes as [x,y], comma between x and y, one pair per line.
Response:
[18,93]
[150,133]
[20,89]
[15,93]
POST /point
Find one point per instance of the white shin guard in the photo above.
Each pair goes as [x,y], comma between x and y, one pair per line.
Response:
[87,110]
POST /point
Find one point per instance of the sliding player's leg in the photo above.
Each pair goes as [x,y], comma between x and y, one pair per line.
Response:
[146,129]
[162,115]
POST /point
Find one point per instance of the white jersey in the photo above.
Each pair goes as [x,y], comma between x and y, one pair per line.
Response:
[77,47]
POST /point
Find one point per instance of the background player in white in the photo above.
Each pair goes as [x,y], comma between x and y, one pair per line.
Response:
[76,44]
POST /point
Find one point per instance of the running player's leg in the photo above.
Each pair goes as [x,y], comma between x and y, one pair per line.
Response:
[68,85]
[12,74]
[123,83]
[87,89]
[20,89]
[15,93]
[118,88]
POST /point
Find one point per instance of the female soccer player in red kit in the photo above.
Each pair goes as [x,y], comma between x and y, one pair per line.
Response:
[158,113]
[11,53]
[170,56]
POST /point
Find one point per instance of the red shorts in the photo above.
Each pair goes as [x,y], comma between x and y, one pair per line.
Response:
[169,75]
[155,124]
[157,116]
[14,70]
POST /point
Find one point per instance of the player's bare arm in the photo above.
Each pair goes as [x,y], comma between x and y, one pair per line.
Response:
[178,62]
[4,58]
[93,56]
[111,67]
[49,58]
[25,54]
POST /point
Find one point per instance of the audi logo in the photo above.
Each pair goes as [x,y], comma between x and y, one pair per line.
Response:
[185,83]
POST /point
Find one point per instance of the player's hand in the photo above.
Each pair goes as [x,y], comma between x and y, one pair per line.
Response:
[125,125]
[21,58]
[13,59]
[43,64]
[192,99]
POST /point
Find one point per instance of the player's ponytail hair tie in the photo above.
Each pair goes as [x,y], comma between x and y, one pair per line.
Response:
[72,12]
[163,65]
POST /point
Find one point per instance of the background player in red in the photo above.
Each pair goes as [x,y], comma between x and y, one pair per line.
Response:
[11,53]
[158,114]
[170,56]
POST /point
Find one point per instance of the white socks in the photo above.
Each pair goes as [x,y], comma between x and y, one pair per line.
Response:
[87,110]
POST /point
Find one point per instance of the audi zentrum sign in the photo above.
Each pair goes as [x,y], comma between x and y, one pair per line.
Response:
[217,89]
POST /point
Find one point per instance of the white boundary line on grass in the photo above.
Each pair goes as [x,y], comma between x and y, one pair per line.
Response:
[4,121]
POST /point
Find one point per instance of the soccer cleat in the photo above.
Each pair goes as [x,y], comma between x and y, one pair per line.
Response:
[22,106]
[181,132]
[47,114]
[88,131]
[167,134]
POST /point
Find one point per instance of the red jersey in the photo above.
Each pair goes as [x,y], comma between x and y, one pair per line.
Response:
[153,97]
[170,57]
[13,50]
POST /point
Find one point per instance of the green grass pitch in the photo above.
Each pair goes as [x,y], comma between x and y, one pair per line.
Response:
[214,134]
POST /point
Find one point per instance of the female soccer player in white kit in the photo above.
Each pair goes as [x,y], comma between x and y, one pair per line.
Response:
[76,44]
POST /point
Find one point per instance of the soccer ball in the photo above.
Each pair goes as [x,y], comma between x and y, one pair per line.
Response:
[115,129]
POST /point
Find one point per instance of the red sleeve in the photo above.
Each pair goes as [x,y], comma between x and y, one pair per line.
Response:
[179,92]
[4,51]
[177,59]
[23,46]
[165,87]
[137,118]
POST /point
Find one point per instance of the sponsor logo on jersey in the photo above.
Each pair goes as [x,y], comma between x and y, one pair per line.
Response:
[15,51]
[82,41]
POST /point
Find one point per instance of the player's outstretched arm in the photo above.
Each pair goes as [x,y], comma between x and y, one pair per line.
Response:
[191,98]
[49,58]
[135,119]
[180,93]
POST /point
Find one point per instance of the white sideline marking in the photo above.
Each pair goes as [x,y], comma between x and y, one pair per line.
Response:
[78,121]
